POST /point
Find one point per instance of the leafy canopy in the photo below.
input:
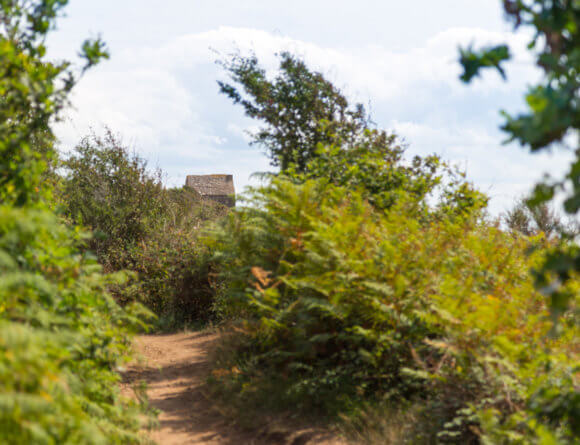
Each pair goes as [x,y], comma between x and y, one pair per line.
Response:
[311,131]
[299,107]
[32,92]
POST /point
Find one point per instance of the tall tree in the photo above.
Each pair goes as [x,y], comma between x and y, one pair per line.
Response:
[311,131]
[300,109]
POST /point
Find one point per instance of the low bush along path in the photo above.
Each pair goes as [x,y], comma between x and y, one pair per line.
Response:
[175,368]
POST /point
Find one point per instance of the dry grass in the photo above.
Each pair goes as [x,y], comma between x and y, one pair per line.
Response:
[380,426]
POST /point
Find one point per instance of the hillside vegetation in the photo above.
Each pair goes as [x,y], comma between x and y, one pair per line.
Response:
[354,287]
[345,305]
[62,335]
[142,227]
[357,282]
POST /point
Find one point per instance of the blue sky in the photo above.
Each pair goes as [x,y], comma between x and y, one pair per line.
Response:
[159,89]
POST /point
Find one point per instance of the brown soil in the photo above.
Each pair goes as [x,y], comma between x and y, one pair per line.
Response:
[175,368]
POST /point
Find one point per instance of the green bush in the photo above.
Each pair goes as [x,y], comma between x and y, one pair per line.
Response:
[356,280]
[375,166]
[62,336]
[142,227]
[109,190]
[174,264]
[342,304]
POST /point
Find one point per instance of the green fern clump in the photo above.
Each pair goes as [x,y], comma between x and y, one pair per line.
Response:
[62,339]
[340,304]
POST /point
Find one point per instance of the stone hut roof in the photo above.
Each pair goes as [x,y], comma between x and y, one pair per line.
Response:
[217,187]
[210,185]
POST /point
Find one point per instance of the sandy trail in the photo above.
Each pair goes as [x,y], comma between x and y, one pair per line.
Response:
[175,368]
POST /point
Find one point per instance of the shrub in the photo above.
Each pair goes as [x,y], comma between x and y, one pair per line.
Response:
[174,264]
[109,190]
[376,168]
[356,278]
[342,304]
[62,336]
[142,227]
[531,220]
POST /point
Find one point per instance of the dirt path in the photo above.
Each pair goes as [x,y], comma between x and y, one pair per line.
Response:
[175,368]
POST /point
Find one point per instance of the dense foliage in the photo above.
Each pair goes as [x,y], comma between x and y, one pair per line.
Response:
[376,167]
[354,277]
[62,336]
[111,191]
[342,304]
[141,226]
[553,116]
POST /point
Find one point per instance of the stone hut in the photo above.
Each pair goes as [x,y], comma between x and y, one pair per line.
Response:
[219,188]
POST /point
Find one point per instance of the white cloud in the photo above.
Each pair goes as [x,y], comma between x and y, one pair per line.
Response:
[166,101]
